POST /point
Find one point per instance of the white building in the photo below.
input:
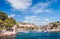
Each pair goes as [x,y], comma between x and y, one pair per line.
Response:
[26,24]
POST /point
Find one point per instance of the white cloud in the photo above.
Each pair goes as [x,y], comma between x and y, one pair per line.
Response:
[44,23]
[52,1]
[11,15]
[32,19]
[47,19]
[20,4]
[24,5]
[41,8]
[36,20]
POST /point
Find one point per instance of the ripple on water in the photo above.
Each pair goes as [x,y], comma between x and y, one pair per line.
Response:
[36,35]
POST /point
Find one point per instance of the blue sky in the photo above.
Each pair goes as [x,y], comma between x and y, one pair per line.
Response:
[32,11]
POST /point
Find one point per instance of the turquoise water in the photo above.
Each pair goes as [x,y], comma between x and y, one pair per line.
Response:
[36,35]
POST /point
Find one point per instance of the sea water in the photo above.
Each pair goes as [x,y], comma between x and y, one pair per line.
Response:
[35,35]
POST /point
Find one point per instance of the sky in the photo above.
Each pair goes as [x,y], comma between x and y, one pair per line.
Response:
[39,12]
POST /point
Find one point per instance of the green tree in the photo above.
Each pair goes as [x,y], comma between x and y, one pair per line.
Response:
[55,24]
[1,24]
[3,16]
[1,21]
[9,22]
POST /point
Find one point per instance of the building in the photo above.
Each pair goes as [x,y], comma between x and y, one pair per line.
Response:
[26,24]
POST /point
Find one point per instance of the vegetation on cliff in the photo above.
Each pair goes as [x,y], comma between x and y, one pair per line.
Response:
[6,22]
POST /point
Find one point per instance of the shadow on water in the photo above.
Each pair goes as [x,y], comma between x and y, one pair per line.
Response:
[35,35]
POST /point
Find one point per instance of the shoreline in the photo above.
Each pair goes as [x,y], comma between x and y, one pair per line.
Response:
[10,33]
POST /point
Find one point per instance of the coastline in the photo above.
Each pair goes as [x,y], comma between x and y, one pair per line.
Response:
[9,33]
